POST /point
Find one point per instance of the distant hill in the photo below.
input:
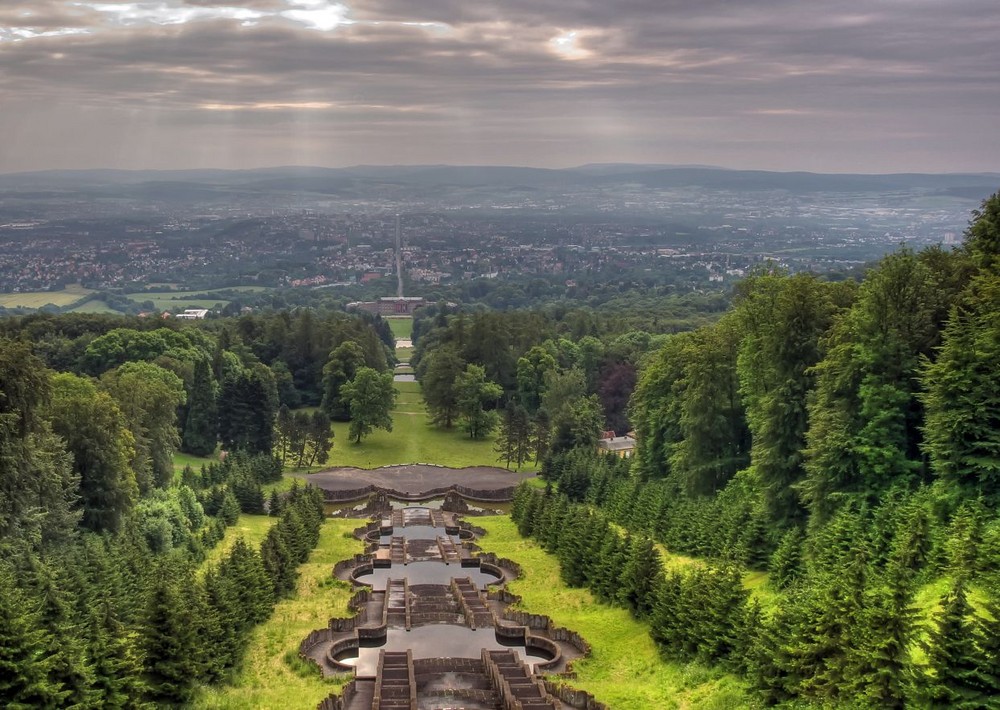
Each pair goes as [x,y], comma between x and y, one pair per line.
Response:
[318,180]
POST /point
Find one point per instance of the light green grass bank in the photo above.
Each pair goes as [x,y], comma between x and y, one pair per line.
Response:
[272,677]
[624,670]
[251,528]
[36,299]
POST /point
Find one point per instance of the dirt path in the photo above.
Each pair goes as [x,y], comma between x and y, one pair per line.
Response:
[414,478]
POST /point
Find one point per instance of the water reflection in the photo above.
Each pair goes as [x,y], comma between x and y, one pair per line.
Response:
[436,641]
[427,572]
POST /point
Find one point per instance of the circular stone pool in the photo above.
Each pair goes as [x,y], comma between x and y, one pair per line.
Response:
[427,572]
[436,641]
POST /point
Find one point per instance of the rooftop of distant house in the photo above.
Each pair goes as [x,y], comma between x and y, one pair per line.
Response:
[193,314]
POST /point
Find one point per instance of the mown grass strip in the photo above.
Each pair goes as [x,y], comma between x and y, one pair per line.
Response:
[401,327]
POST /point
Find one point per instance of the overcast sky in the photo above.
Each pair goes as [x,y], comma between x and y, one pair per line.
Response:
[822,85]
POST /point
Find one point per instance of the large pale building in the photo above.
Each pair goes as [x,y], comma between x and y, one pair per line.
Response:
[390,305]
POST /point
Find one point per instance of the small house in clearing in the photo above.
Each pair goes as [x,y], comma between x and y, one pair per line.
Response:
[621,446]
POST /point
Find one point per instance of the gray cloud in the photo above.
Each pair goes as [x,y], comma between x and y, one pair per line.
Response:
[867,85]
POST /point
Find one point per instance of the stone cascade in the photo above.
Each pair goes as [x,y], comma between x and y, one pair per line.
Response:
[395,682]
[433,629]
[477,613]
[397,603]
[512,680]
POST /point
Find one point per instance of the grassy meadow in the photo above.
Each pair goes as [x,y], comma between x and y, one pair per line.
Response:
[179,300]
[402,326]
[624,670]
[36,299]
[251,528]
[196,462]
[272,677]
[413,439]
[95,306]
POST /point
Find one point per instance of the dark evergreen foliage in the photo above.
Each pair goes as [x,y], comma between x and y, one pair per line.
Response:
[202,424]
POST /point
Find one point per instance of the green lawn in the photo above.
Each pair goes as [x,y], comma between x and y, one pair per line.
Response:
[252,528]
[402,327]
[403,354]
[179,300]
[37,299]
[180,304]
[272,676]
[412,440]
[624,669]
[94,306]
[153,295]
[196,462]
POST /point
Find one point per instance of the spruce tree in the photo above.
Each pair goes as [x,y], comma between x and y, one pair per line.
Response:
[640,576]
[954,658]
[989,634]
[118,663]
[201,426]
[71,667]
[172,653]
[26,663]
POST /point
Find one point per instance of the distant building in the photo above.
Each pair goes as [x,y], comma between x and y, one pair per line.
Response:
[621,446]
[193,314]
[390,305]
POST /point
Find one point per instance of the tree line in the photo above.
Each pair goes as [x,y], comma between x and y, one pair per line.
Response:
[110,621]
[524,375]
[842,437]
[103,602]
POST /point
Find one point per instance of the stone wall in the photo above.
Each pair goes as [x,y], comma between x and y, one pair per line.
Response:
[339,702]
[485,495]
[578,699]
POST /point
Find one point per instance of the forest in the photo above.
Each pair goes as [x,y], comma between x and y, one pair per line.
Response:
[841,437]
[105,596]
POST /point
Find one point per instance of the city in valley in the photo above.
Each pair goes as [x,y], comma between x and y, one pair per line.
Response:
[102,240]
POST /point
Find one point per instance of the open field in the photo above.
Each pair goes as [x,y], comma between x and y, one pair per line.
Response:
[413,440]
[174,304]
[272,677]
[94,306]
[176,300]
[624,670]
[37,299]
[196,462]
[252,528]
[402,327]
[140,295]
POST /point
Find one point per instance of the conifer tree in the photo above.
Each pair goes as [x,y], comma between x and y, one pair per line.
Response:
[989,634]
[201,426]
[173,655]
[71,668]
[607,576]
[640,576]
[26,664]
[117,659]
[954,658]
[252,588]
